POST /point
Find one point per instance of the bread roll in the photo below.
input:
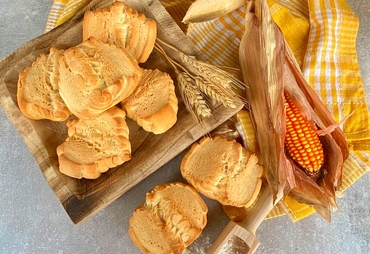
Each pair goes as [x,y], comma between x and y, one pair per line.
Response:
[172,217]
[153,105]
[223,170]
[38,91]
[95,76]
[95,145]
[122,26]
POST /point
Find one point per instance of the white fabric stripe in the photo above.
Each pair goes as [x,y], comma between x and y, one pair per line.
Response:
[309,51]
[324,57]
[58,4]
[53,16]
[55,11]
[338,27]
[327,57]
[326,4]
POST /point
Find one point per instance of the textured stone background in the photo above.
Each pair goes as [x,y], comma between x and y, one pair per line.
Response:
[33,221]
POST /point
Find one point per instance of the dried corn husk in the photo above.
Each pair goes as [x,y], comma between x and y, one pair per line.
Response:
[261,57]
[335,146]
[205,10]
[269,68]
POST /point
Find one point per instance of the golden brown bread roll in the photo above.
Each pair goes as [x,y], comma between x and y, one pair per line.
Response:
[38,91]
[172,217]
[95,76]
[122,26]
[223,170]
[153,105]
[95,145]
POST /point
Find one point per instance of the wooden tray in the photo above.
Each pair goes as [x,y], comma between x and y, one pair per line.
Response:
[83,198]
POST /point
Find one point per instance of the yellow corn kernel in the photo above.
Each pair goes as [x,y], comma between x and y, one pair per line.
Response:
[302,141]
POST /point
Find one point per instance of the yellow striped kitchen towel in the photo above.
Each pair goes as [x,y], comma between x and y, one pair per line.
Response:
[62,10]
[322,35]
[56,10]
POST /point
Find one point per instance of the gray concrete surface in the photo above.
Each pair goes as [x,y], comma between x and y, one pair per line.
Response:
[33,221]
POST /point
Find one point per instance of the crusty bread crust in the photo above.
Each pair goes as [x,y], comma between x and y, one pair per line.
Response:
[38,91]
[172,217]
[95,145]
[124,27]
[144,225]
[223,170]
[89,80]
[153,105]
[95,76]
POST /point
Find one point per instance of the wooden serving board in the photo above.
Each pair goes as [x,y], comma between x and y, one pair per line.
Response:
[84,198]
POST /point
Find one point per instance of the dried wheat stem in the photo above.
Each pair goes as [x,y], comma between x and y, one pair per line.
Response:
[172,62]
[167,45]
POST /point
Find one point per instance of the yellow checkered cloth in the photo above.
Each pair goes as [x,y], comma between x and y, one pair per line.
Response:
[321,33]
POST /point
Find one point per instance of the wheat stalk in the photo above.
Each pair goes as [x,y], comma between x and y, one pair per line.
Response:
[202,84]
[192,97]
[212,73]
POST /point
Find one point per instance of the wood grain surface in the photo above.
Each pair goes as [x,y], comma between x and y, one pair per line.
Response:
[84,198]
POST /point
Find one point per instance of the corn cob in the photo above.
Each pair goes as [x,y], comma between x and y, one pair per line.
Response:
[302,141]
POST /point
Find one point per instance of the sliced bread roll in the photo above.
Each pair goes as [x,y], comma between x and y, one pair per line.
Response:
[223,170]
[95,76]
[172,217]
[95,145]
[153,105]
[38,91]
[124,27]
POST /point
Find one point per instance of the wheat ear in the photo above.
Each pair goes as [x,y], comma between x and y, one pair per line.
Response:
[202,84]
[216,93]
[192,97]
[211,72]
